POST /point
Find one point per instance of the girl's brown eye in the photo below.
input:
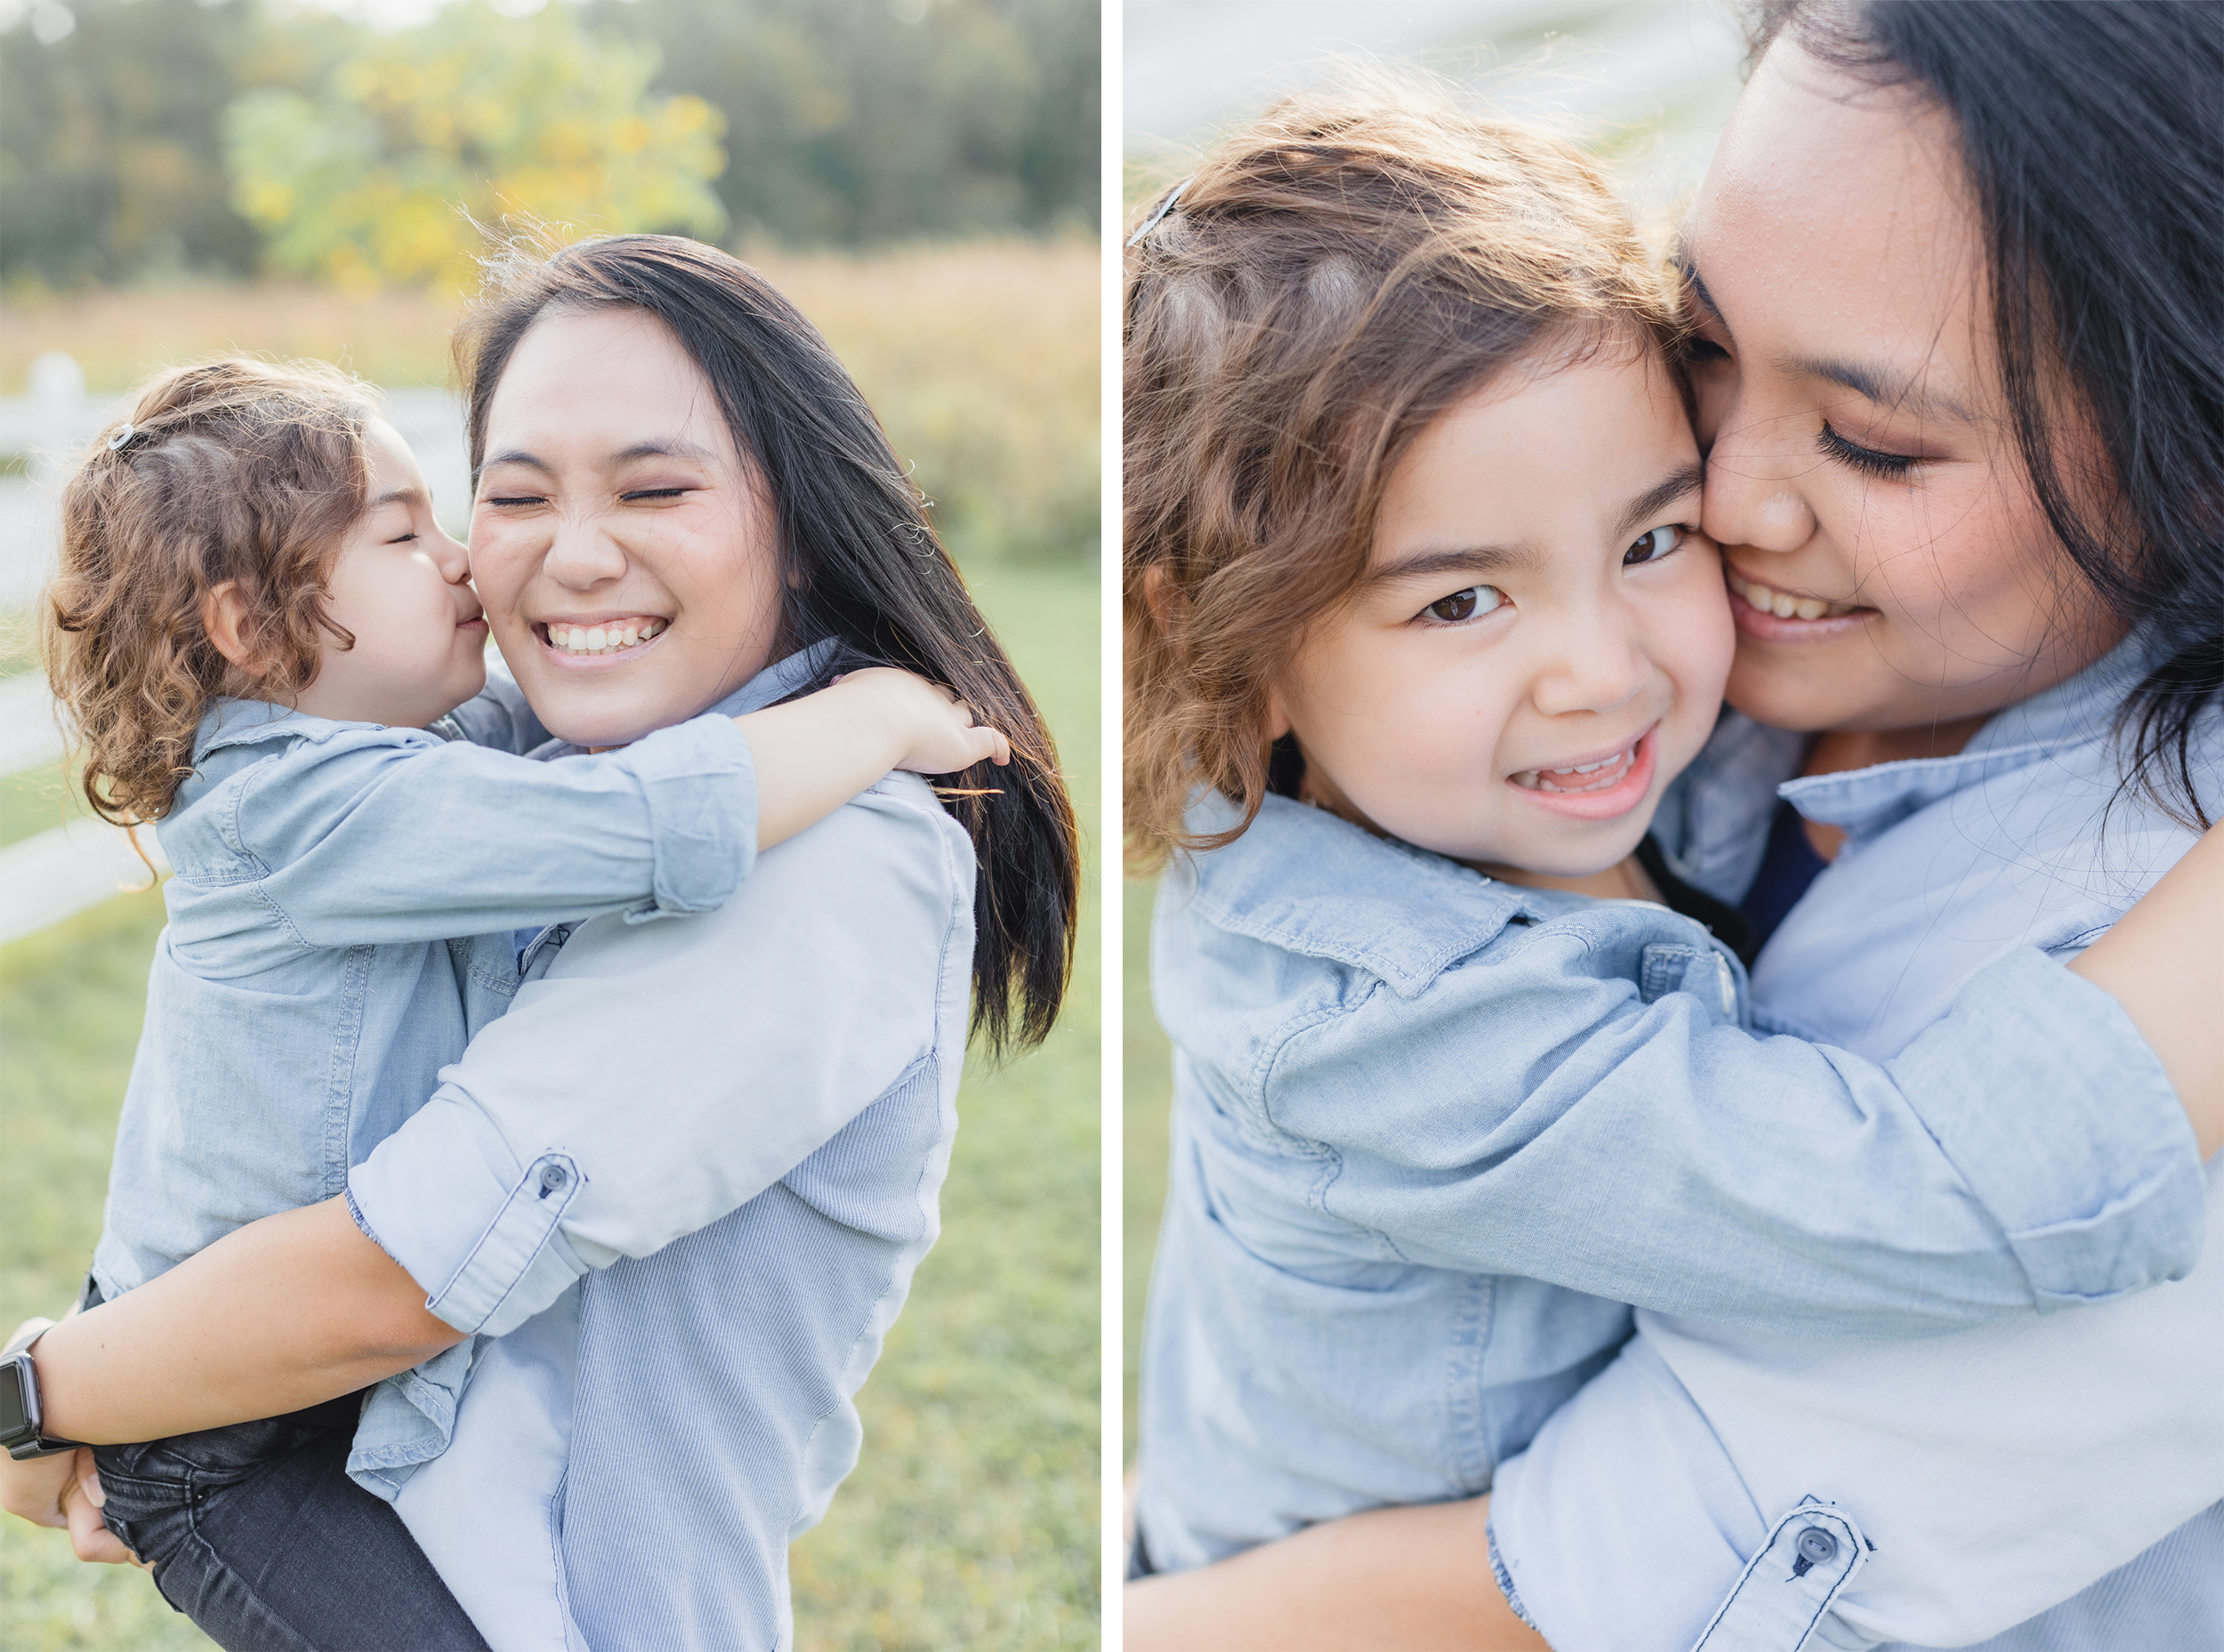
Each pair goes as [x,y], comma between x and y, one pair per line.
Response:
[1465,604]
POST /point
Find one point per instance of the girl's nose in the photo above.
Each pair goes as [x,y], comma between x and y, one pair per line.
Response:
[1597,668]
[450,556]
[1754,474]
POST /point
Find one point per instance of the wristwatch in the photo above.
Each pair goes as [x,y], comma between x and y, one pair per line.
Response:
[20,1415]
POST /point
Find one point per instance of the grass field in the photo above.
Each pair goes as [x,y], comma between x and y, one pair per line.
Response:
[971,1522]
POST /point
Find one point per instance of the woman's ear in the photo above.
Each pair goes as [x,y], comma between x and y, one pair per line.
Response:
[224,617]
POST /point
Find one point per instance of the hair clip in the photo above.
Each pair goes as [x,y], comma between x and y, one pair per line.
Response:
[1165,207]
[117,441]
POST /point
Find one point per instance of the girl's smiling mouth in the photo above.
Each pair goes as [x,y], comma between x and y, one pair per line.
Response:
[1604,786]
[598,639]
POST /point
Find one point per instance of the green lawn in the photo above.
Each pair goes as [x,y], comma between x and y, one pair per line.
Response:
[971,1521]
[1147,1079]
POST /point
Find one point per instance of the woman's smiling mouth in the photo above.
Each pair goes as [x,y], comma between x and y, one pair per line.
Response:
[599,638]
[1765,614]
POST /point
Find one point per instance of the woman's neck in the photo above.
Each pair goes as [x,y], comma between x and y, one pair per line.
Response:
[1836,750]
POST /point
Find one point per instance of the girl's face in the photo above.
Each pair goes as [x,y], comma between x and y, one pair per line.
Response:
[1541,638]
[1889,564]
[625,551]
[401,586]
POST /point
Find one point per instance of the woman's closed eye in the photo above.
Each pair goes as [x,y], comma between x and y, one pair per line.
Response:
[641,494]
[1868,461]
[501,500]
[1463,605]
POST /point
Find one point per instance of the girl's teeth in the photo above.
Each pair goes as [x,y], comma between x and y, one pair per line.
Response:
[1534,779]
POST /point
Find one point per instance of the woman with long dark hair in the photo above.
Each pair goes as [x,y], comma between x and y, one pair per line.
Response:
[1957,284]
[678,1190]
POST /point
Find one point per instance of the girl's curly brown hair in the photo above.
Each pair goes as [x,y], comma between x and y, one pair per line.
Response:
[233,471]
[1331,279]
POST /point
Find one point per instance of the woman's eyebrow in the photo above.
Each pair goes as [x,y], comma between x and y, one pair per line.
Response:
[666,447]
[1885,388]
[1689,270]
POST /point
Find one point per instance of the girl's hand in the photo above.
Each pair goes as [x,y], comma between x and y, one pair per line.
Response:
[938,735]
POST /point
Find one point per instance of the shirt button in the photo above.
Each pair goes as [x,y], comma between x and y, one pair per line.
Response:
[554,1176]
[1816,1546]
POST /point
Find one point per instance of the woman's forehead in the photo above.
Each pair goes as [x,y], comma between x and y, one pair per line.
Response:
[606,381]
[1836,229]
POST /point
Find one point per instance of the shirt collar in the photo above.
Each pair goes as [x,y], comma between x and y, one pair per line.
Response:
[2075,712]
[230,721]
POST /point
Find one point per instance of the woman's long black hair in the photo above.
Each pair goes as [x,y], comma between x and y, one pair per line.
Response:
[861,560]
[2093,132]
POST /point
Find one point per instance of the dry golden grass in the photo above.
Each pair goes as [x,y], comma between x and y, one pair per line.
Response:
[981,359]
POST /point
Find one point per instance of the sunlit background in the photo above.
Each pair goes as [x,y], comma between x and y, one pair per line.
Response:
[1644,84]
[179,177]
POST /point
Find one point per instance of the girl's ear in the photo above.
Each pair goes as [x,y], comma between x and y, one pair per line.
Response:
[1277,718]
[1162,599]
[224,617]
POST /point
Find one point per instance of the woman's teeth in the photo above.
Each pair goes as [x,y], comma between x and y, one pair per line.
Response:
[608,638]
[1597,776]
[1783,605]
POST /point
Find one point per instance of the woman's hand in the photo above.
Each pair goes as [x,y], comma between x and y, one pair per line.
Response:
[936,728]
[64,1491]
[61,1490]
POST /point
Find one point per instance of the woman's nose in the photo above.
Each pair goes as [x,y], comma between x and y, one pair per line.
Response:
[581,554]
[1755,471]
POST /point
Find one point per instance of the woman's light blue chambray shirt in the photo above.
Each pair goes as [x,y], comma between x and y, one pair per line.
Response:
[680,1189]
[1431,1132]
[309,985]
[1965,1483]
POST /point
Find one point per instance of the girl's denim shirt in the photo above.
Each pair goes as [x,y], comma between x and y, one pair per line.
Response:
[1433,1132]
[2032,1484]
[310,986]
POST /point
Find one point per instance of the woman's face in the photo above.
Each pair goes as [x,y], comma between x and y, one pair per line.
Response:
[1888,565]
[625,549]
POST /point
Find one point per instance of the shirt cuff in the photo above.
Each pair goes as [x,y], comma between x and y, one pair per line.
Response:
[447,1198]
[2092,1171]
[700,784]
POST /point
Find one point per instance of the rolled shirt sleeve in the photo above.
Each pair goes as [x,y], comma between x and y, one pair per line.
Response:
[371,840]
[2025,1152]
[658,1078]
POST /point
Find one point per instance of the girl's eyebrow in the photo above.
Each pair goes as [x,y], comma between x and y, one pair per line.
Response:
[1664,493]
[1523,558]
[1514,559]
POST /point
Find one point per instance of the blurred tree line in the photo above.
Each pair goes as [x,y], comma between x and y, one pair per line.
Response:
[146,137]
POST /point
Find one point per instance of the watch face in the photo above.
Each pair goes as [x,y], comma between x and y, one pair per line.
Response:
[13,1417]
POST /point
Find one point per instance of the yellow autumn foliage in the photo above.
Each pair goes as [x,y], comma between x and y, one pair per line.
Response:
[473,115]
